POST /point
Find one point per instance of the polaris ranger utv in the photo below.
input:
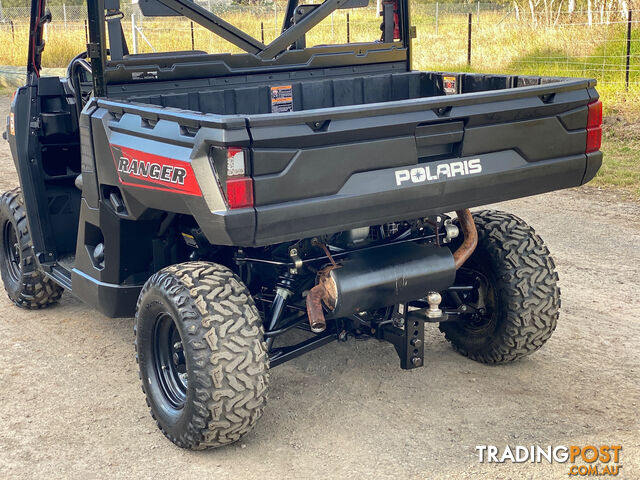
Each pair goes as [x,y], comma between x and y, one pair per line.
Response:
[224,200]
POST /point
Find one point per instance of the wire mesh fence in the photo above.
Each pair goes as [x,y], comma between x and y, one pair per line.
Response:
[596,44]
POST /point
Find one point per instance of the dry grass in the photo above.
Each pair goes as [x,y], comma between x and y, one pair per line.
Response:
[500,45]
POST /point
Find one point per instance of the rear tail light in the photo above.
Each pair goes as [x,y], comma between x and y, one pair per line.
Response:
[594,126]
[232,172]
[240,192]
[235,162]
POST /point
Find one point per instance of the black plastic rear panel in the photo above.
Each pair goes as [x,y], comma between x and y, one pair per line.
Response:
[332,163]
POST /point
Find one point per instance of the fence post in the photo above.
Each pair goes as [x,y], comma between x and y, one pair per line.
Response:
[193,41]
[134,35]
[478,14]
[262,31]
[64,14]
[437,11]
[469,39]
[348,30]
[13,32]
[626,77]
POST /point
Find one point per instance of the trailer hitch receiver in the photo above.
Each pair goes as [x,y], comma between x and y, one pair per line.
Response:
[406,334]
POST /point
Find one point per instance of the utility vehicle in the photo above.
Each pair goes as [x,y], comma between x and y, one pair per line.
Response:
[226,199]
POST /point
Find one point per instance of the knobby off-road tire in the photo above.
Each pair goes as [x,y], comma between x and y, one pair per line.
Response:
[523,293]
[26,285]
[221,354]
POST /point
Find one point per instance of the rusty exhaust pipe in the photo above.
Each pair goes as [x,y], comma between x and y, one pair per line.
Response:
[317,322]
[470,242]
[324,292]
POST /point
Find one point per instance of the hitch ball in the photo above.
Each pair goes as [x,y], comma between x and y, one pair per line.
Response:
[434,299]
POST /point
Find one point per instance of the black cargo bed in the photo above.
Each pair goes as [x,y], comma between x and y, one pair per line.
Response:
[248,95]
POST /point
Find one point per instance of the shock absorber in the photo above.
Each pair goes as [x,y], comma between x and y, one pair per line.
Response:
[284,290]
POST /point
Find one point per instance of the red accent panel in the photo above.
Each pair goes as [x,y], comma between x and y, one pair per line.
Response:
[144,170]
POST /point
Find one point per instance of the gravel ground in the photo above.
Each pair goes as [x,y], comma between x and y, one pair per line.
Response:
[71,405]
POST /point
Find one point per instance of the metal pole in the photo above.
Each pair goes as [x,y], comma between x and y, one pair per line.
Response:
[437,11]
[134,34]
[626,78]
[262,32]
[13,32]
[193,41]
[348,30]
[95,47]
[469,39]
[86,32]
[478,14]
[64,14]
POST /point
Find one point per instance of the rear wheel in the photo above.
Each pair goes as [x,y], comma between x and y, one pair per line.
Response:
[515,299]
[26,285]
[203,363]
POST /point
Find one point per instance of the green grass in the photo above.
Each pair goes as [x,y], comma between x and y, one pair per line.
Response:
[621,164]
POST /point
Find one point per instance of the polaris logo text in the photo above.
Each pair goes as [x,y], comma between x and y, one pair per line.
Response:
[139,168]
[430,173]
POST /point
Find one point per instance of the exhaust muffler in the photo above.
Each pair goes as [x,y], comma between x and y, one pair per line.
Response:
[387,275]
[379,277]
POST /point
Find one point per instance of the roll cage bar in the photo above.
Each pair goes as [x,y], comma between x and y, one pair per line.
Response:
[296,24]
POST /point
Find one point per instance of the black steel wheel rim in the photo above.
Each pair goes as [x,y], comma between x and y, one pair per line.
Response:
[12,251]
[169,362]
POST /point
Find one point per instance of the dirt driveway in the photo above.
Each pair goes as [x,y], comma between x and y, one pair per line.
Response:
[71,405]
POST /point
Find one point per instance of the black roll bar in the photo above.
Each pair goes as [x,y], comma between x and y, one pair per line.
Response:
[291,32]
[297,30]
[217,25]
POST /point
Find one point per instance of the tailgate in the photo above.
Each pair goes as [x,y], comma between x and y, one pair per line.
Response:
[319,171]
